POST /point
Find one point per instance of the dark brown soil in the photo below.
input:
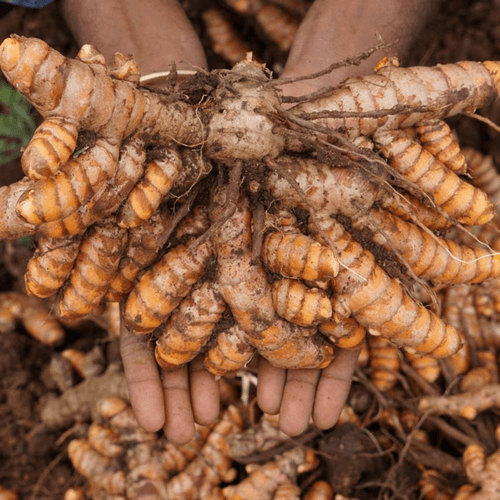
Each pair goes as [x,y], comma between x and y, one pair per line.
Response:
[33,459]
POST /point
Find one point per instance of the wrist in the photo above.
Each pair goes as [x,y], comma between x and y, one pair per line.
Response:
[157,34]
[334,30]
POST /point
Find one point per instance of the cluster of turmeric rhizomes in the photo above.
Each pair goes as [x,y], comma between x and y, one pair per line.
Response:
[120,460]
[281,252]
[472,309]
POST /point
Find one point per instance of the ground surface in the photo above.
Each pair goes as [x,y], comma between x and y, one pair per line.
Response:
[33,459]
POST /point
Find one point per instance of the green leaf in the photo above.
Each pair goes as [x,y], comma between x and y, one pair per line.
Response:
[10,126]
[6,94]
[16,127]
[8,151]
[28,121]
[26,241]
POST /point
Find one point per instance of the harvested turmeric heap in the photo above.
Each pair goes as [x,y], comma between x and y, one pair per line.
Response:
[120,459]
[230,219]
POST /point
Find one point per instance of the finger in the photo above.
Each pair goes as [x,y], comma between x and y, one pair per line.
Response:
[179,422]
[204,393]
[270,387]
[143,380]
[333,388]
[298,400]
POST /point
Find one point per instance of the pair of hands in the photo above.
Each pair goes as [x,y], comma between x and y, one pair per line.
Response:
[189,394]
[331,31]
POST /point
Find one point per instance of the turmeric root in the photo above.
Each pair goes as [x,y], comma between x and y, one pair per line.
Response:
[160,290]
[190,327]
[49,268]
[225,40]
[244,287]
[143,244]
[457,198]
[384,363]
[287,491]
[319,490]
[484,173]
[482,471]
[428,368]
[159,176]
[437,138]
[90,463]
[78,402]
[329,190]
[265,480]
[426,92]
[278,25]
[106,200]
[362,287]
[466,405]
[410,209]
[431,487]
[86,364]
[476,378]
[118,456]
[213,463]
[72,187]
[432,258]
[33,314]
[262,436]
[13,226]
[297,256]
[345,333]
[51,146]
[231,352]
[299,304]
[95,266]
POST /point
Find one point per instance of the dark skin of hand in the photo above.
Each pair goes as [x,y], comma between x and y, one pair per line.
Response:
[332,31]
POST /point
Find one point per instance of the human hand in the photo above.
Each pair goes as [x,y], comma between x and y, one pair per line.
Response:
[173,401]
[299,395]
[157,32]
[338,30]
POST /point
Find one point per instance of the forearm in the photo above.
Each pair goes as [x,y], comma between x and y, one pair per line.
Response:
[336,29]
[156,32]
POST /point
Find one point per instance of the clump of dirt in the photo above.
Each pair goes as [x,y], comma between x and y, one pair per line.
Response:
[350,458]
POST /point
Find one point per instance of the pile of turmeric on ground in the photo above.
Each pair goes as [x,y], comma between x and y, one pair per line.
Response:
[290,233]
[120,460]
[378,440]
